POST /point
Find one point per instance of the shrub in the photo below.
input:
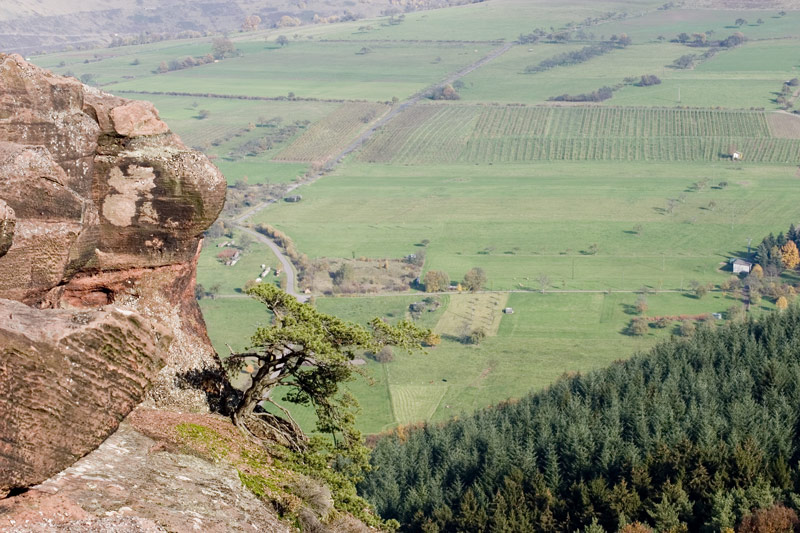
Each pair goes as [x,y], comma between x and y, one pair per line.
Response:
[662,323]
[476,336]
[649,79]
[600,95]
[385,355]
[687,328]
[638,326]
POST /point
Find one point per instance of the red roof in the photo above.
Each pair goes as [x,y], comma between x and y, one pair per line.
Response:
[228,253]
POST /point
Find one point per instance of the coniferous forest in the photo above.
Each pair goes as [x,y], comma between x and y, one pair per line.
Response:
[699,434]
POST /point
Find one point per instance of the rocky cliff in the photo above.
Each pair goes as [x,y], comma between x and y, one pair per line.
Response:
[102,211]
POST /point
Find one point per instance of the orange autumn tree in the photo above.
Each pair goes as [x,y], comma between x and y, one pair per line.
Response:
[789,255]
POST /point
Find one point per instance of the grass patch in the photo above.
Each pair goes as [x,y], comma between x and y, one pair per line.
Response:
[412,403]
[469,312]
[230,279]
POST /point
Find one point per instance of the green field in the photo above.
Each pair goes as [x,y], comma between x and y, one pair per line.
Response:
[502,134]
[520,221]
[318,70]
[743,77]
[308,69]
[504,19]
[546,336]
[719,21]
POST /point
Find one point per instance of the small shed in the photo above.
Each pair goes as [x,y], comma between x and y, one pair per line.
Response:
[508,311]
[293,199]
[736,156]
[740,265]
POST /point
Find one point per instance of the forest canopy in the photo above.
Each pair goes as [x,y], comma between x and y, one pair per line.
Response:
[699,434]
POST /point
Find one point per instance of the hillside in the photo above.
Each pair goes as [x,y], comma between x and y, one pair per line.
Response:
[576,212]
[694,435]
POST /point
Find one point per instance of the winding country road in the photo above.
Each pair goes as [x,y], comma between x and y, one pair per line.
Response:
[288,268]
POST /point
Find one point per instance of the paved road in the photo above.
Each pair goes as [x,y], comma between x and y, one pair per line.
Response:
[509,291]
[288,268]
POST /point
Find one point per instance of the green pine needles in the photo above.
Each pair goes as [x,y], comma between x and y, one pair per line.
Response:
[700,434]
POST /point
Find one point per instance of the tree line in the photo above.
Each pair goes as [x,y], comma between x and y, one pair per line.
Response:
[580,56]
[438,280]
[776,254]
[699,434]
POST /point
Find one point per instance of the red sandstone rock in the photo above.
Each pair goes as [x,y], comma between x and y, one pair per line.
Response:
[129,476]
[100,205]
[7,222]
[67,378]
[135,119]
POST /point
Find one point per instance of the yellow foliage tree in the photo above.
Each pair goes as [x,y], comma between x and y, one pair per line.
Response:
[782,303]
[789,255]
[757,271]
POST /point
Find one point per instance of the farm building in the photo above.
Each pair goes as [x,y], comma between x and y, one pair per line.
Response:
[229,256]
[740,265]
[293,199]
[736,156]
[508,311]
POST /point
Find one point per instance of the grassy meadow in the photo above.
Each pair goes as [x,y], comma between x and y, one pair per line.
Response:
[548,335]
[229,280]
[318,70]
[743,77]
[520,221]
[484,21]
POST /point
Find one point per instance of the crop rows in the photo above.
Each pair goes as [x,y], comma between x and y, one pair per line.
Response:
[380,150]
[427,134]
[505,121]
[208,133]
[630,149]
[333,133]
[653,122]
[505,134]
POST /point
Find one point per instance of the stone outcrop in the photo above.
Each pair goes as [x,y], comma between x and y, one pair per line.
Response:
[102,211]
[65,387]
[131,476]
